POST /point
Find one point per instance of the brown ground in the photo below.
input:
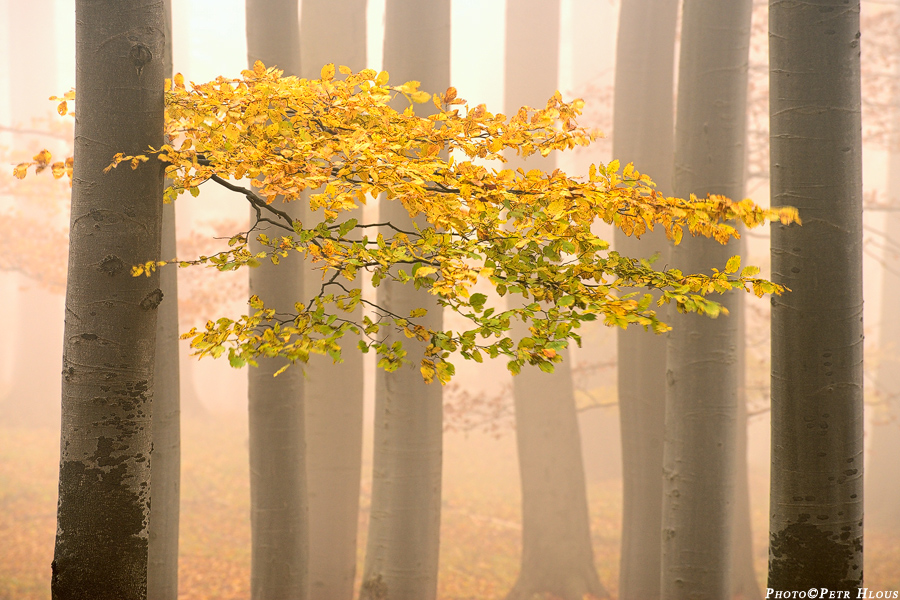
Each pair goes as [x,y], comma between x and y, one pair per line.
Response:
[480,531]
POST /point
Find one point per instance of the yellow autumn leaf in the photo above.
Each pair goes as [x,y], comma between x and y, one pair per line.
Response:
[20,170]
[42,158]
[328,72]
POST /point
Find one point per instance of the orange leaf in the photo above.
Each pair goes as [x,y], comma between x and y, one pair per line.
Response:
[21,170]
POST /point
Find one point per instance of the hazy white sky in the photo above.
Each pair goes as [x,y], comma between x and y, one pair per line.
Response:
[209,41]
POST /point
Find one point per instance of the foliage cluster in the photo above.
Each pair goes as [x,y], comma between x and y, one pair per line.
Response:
[527,233]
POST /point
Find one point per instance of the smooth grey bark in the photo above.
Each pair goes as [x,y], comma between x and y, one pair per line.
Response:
[882,477]
[702,366]
[557,556]
[744,584]
[816,514]
[404,522]
[643,133]
[162,569]
[278,487]
[110,330]
[32,398]
[333,31]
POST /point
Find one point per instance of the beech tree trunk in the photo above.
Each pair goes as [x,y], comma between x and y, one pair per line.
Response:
[744,583]
[278,487]
[110,330]
[816,526]
[643,133]
[162,571]
[404,522]
[882,476]
[557,556]
[816,516]
[702,366]
[333,31]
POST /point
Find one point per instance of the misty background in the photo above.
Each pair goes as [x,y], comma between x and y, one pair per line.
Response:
[480,537]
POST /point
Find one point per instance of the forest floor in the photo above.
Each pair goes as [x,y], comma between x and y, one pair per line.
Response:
[480,538]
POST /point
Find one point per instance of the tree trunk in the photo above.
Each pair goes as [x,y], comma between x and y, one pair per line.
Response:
[882,477]
[816,526]
[643,133]
[110,331]
[557,556]
[278,495]
[162,570]
[404,523]
[702,366]
[333,31]
[744,584]
[32,399]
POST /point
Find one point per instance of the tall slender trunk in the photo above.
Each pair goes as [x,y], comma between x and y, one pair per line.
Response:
[110,331]
[557,556]
[404,523]
[643,133]
[162,570]
[882,477]
[278,495]
[743,574]
[702,367]
[333,31]
[816,515]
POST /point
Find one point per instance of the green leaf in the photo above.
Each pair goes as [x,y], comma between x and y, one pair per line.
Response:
[477,301]
[733,264]
[347,226]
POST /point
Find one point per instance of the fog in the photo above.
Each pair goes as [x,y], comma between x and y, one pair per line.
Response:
[481,513]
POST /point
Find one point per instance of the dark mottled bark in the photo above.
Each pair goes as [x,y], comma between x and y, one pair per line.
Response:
[278,494]
[816,527]
[404,523]
[643,133]
[110,331]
